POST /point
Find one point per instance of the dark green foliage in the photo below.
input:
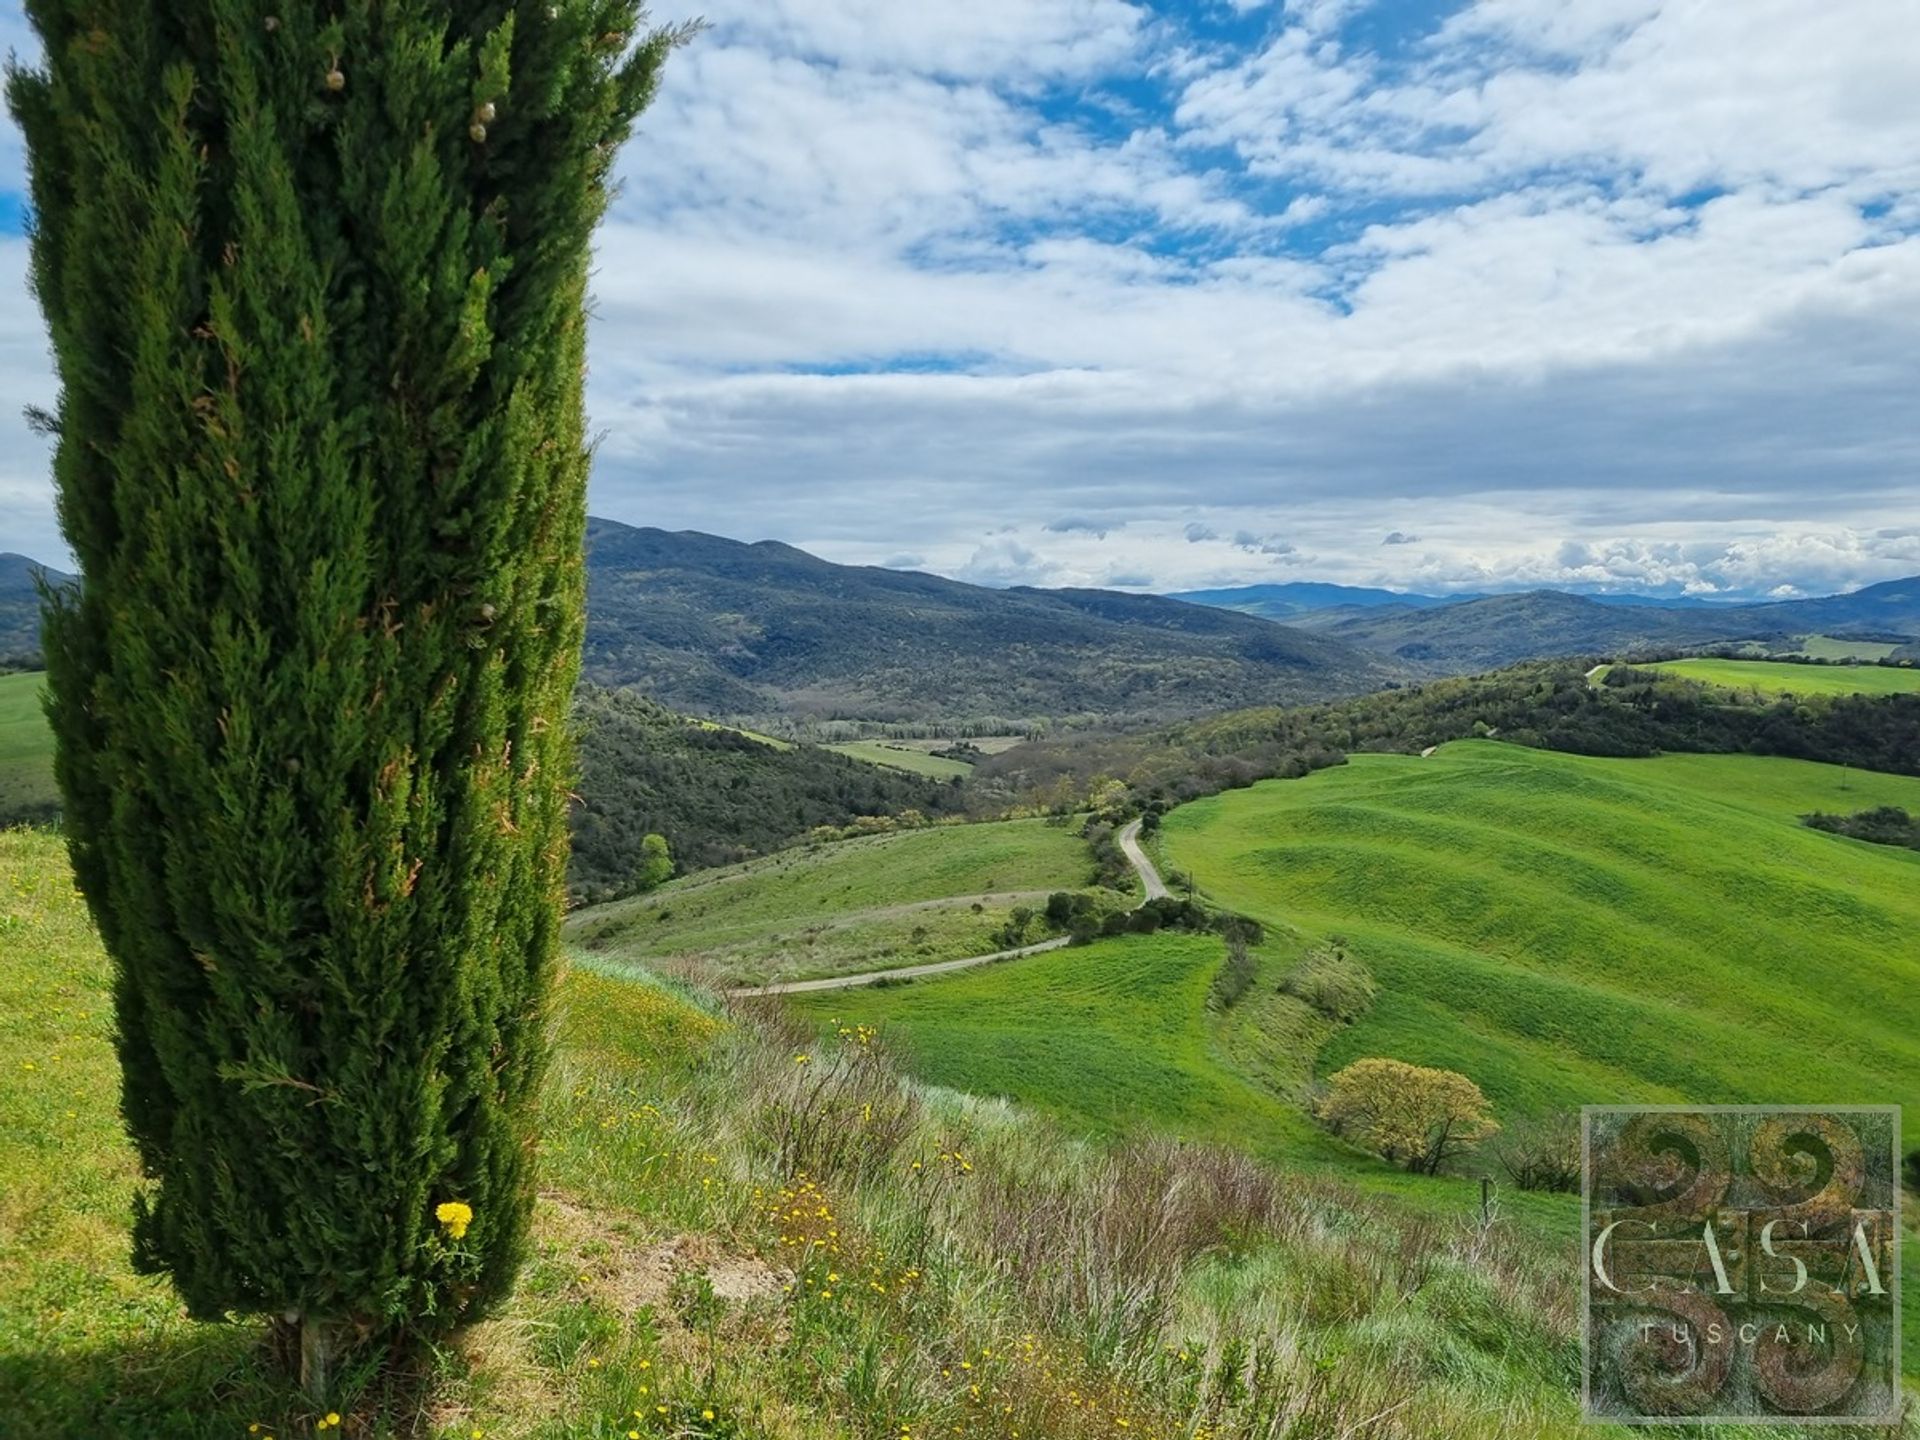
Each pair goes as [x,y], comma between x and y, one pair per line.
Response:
[759,632]
[716,795]
[1884,825]
[1166,913]
[316,289]
[1236,974]
[1111,868]
[1544,704]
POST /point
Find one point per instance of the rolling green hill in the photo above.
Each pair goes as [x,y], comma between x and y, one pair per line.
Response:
[1570,930]
[665,1297]
[868,904]
[1110,1036]
[27,791]
[1775,678]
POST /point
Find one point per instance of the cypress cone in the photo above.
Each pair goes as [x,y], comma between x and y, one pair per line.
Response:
[321,457]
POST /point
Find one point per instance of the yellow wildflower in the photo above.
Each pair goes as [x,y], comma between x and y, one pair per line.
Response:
[456,1216]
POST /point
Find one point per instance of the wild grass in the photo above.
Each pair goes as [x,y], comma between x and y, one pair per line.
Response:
[905,898]
[1767,677]
[747,1232]
[27,791]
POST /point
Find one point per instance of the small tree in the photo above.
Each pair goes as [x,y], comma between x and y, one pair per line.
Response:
[656,863]
[1541,1154]
[1408,1114]
[315,278]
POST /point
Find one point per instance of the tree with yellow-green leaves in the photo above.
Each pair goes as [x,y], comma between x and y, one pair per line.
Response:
[315,276]
[1408,1114]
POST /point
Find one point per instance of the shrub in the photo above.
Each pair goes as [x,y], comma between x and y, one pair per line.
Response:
[1333,982]
[1541,1154]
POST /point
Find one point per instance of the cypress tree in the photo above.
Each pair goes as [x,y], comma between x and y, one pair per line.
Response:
[314,273]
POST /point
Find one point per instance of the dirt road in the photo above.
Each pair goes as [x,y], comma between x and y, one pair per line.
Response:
[1129,846]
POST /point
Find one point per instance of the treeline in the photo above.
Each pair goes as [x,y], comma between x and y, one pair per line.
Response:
[717,795]
[1548,705]
[1883,825]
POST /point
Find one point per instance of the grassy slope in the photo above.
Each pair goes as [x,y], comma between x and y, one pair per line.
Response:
[1829,647]
[1569,930]
[26,748]
[842,907]
[902,757]
[888,1302]
[1776,678]
[1110,1035]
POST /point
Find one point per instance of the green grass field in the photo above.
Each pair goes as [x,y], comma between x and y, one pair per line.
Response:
[1569,930]
[1832,647]
[686,1283]
[867,904]
[1770,677]
[1110,1035]
[768,740]
[27,790]
[902,755]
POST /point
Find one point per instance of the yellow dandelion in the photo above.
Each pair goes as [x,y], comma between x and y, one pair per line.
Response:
[456,1215]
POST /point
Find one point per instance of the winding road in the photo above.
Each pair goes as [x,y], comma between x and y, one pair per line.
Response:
[1129,838]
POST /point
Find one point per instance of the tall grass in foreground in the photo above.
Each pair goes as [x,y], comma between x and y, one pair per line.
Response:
[751,1230]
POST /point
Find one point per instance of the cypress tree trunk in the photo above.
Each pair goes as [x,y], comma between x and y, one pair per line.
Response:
[314,272]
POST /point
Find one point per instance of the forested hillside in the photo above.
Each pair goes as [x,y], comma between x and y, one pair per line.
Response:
[1550,705]
[716,795]
[721,628]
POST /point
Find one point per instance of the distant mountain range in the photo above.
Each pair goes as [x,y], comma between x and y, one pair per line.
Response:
[726,629]
[1282,602]
[722,628]
[1455,637]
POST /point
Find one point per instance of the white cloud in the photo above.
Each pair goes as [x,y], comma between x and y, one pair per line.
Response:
[1007,562]
[1639,276]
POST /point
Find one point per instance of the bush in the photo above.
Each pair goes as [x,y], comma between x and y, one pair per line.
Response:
[1541,1154]
[1235,977]
[1333,982]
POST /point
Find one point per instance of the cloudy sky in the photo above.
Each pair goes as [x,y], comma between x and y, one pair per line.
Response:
[1616,294]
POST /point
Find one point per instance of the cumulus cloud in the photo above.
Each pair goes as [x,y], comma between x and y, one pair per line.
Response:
[1400,537]
[1007,562]
[1606,293]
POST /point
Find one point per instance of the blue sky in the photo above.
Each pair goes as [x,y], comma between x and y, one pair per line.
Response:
[1616,294]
